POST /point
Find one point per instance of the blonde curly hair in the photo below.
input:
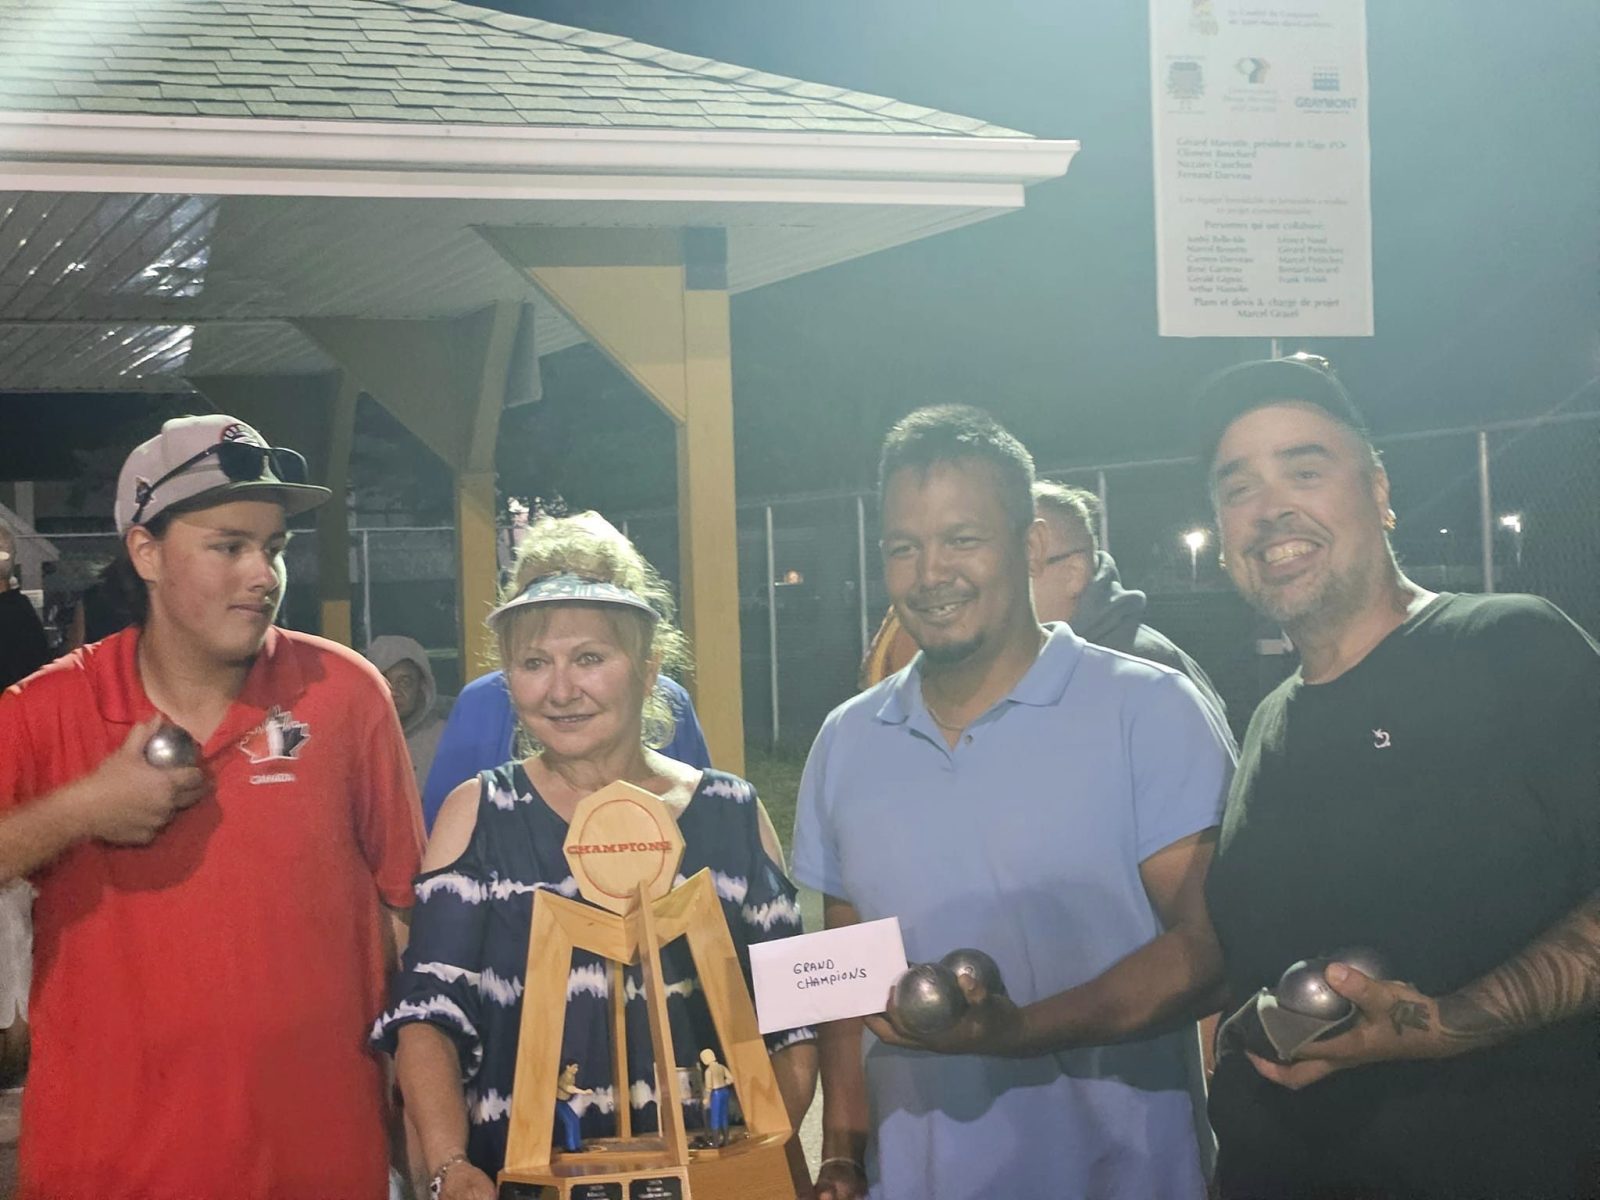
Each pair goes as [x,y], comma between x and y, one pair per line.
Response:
[590,547]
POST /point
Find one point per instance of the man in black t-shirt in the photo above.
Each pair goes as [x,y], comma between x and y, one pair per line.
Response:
[1427,785]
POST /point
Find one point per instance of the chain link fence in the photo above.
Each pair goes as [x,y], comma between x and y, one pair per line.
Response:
[1512,507]
[403,580]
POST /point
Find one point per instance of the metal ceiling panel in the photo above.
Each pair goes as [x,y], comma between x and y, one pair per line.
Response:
[93,357]
[97,291]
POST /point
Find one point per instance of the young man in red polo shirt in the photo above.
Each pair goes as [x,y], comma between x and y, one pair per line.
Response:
[211,942]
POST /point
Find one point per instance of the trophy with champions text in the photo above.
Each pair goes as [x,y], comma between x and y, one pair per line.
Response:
[624,849]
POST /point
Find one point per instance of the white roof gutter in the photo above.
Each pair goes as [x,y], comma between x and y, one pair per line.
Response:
[46,151]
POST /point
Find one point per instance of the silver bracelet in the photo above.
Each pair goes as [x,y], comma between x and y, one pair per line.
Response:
[436,1184]
[849,1162]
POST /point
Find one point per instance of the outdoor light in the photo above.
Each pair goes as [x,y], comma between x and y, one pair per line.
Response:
[1194,539]
[1513,522]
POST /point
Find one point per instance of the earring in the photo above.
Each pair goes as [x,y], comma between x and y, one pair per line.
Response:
[1222,560]
[1389,521]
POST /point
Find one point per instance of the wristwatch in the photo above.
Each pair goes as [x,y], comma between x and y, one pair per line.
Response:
[436,1184]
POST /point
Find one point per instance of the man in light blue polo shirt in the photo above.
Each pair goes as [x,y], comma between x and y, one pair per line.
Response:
[1053,803]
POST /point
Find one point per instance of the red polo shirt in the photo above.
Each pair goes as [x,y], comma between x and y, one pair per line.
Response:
[200,1005]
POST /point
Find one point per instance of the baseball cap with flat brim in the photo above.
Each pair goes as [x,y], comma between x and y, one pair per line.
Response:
[1234,391]
[195,462]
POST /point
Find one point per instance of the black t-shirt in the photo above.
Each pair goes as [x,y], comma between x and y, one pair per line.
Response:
[1439,802]
[23,646]
[103,613]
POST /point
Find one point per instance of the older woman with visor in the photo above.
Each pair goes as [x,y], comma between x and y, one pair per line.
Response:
[583,630]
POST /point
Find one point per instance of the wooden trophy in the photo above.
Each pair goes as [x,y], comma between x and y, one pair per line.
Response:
[624,848]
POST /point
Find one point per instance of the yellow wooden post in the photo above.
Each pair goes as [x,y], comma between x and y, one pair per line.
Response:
[445,381]
[708,536]
[333,520]
[480,569]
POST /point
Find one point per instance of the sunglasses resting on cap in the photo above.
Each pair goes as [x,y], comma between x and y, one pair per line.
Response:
[198,458]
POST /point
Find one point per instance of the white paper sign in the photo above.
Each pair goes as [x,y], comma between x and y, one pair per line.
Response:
[1263,205]
[826,976]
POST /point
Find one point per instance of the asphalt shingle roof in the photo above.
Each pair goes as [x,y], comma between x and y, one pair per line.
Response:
[433,61]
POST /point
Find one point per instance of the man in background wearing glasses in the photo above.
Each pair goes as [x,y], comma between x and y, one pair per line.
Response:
[211,940]
[1078,583]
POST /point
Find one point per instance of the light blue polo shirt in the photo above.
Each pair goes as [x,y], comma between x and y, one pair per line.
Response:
[1024,841]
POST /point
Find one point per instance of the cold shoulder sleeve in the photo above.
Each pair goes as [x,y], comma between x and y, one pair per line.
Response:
[441,976]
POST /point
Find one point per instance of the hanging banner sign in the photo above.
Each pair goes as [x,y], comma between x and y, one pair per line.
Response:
[1263,205]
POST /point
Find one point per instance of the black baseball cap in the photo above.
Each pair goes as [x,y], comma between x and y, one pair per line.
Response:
[1236,390]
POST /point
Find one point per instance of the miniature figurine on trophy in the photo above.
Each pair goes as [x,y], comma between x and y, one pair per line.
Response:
[567,1119]
[717,1088]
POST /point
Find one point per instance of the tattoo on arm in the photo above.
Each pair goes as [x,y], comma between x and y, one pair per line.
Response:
[1408,1014]
[1556,977]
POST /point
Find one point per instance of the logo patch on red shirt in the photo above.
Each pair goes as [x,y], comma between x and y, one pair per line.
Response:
[278,738]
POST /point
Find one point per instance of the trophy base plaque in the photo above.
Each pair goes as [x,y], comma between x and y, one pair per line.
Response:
[751,1167]
[590,1182]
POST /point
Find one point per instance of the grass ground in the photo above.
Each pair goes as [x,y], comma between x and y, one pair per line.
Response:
[776,774]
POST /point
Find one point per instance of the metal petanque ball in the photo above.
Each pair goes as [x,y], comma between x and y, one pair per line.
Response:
[927,1000]
[171,746]
[1305,990]
[977,966]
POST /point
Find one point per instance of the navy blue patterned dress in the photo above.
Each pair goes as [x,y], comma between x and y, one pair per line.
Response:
[469,946]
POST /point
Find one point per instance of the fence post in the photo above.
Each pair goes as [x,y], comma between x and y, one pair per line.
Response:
[1485,512]
[366,586]
[861,572]
[1105,511]
[772,625]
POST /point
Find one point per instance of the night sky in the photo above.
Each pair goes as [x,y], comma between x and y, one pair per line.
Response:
[1486,199]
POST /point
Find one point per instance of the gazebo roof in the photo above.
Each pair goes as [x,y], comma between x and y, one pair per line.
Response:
[181,181]
[404,60]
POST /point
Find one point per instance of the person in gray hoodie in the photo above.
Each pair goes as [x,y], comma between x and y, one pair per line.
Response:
[405,667]
[1078,584]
